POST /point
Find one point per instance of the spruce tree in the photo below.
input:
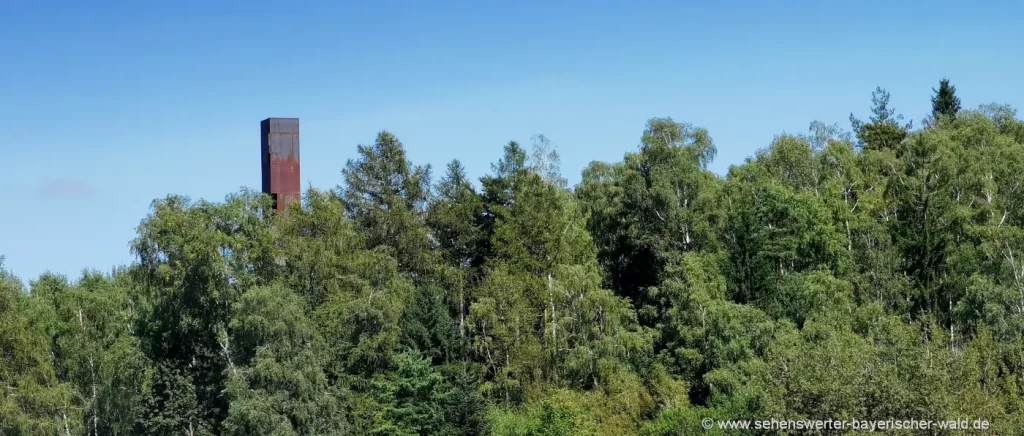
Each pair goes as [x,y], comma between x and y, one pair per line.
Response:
[945,102]
[386,196]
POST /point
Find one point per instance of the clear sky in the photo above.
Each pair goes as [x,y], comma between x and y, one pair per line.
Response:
[105,106]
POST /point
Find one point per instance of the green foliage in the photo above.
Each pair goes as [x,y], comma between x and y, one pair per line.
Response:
[456,220]
[276,383]
[876,274]
[32,400]
[93,347]
[454,217]
[170,404]
[195,260]
[657,203]
[385,195]
[412,399]
[945,103]
[884,131]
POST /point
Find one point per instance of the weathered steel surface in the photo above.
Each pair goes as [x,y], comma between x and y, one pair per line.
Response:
[280,160]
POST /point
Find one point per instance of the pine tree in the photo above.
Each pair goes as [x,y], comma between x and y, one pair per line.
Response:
[945,102]
[884,130]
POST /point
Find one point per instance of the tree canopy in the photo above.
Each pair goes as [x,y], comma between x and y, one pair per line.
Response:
[870,274]
[945,102]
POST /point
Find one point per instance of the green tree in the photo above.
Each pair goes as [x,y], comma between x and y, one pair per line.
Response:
[171,404]
[356,295]
[540,316]
[412,399]
[658,202]
[276,384]
[499,190]
[945,103]
[883,131]
[872,275]
[386,195]
[32,400]
[455,217]
[94,348]
[195,260]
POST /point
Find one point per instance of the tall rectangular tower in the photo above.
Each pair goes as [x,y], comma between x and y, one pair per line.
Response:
[280,156]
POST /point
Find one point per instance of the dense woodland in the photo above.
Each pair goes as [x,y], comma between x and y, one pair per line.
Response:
[874,272]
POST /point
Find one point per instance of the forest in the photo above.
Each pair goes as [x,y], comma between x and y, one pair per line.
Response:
[874,272]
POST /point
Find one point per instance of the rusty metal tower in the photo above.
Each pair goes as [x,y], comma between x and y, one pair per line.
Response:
[280,156]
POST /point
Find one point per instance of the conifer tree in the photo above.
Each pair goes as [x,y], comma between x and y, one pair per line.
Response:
[386,195]
[884,131]
[945,103]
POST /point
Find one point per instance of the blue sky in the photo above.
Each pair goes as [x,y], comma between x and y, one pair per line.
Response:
[105,106]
